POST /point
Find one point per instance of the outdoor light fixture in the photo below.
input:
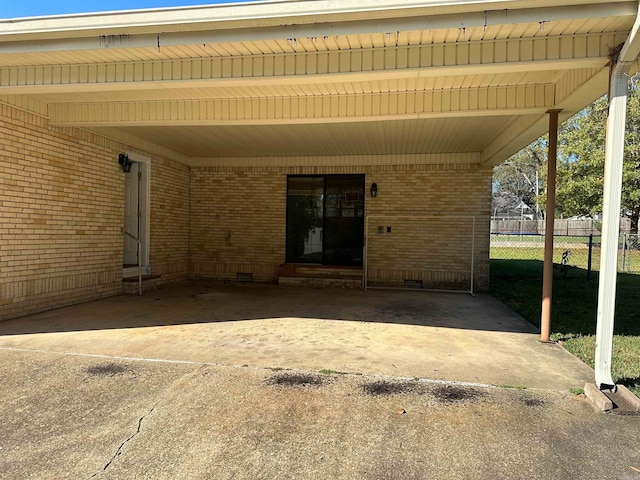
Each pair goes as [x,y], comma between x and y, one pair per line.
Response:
[374,189]
[125,162]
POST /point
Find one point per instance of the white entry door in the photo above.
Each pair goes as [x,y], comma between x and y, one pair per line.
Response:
[136,212]
[131,217]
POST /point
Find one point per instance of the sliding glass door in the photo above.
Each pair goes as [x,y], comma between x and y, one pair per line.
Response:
[325,219]
[305,213]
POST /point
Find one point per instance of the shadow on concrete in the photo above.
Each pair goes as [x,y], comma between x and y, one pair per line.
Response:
[198,302]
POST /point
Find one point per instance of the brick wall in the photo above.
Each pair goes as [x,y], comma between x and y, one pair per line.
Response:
[169,249]
[62,205]
[237,222]
[444,210]
[238,217]
[61,208]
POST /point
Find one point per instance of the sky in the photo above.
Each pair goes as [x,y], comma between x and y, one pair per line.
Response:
[31,8]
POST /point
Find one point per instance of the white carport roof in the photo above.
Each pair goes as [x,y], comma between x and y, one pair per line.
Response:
[323,77]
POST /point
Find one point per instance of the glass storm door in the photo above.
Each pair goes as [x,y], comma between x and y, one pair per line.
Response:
[325,219]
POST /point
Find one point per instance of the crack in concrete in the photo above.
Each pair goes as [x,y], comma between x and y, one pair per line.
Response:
[131,437]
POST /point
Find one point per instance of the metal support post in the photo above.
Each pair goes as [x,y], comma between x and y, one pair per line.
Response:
[547,278]
[590,256]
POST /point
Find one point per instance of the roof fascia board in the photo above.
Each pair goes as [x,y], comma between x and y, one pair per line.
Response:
[127,36]
[263,13]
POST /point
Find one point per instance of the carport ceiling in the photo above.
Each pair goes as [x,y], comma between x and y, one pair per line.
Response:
[447,135]
[318,77]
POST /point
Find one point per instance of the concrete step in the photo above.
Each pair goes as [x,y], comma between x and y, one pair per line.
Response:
[306,270]
[320,276]
[149,282]
[321,282]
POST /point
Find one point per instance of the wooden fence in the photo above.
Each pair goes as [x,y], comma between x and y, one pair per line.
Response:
[525,226]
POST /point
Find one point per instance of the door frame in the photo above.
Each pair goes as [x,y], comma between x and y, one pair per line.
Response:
[144,196]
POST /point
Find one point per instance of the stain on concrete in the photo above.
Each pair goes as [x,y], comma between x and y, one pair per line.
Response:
[107,369]
[295,380]
[456,393]
[529,401]
[382,387]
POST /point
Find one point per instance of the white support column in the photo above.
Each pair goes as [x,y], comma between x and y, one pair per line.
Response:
[616,122]
[610,228]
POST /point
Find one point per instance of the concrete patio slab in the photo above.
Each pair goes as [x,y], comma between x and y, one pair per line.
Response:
[452,337]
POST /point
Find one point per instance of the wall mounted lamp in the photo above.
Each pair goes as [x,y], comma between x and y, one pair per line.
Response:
[123,160]
[374,190]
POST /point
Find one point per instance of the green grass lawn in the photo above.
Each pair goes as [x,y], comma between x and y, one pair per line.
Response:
[518,283]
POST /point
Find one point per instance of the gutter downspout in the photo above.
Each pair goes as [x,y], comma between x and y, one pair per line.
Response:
[614,154]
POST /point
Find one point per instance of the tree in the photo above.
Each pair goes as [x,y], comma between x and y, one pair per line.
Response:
[581,166]
[521,174]
[581,162]
[505,203]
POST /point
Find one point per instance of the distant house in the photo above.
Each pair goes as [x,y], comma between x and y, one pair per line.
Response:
[506,205]
[241,141]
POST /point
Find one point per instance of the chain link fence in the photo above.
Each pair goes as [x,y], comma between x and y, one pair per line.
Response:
[630,261]
[570,252]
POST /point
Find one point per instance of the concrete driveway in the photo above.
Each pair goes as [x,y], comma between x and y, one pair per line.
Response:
[203,380]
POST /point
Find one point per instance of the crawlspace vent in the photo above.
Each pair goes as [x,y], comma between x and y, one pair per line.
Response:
[244,277]
[408,283]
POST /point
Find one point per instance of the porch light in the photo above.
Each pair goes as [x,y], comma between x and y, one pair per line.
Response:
[374,189]
[125,162]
